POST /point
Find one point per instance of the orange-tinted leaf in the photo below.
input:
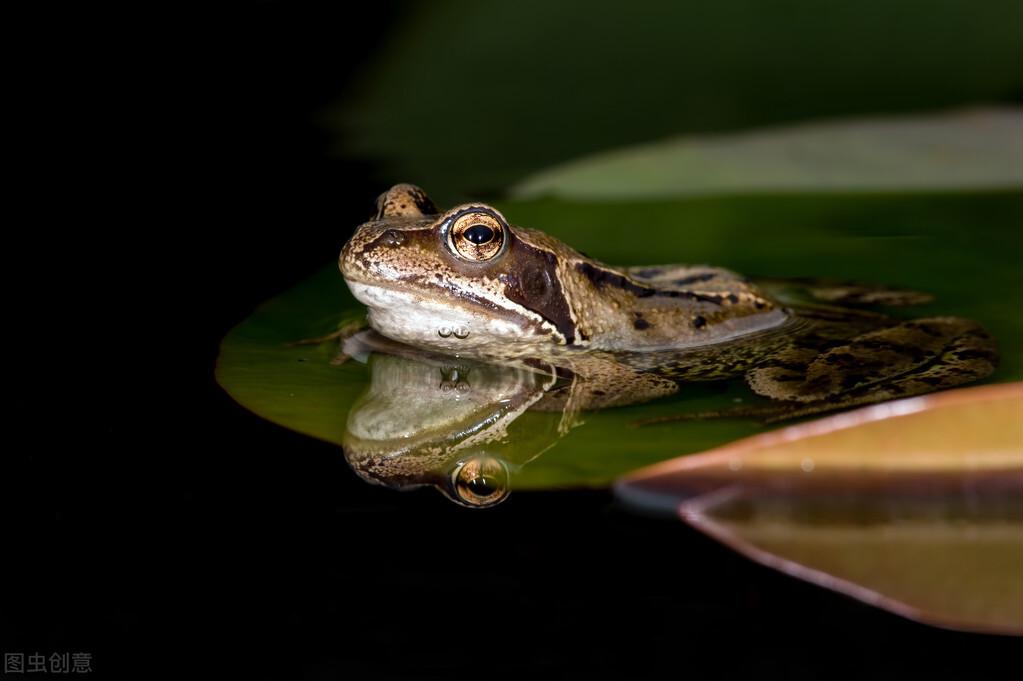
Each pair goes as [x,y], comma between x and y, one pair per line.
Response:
[915,506]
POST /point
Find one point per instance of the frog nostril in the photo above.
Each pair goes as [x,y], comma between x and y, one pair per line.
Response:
[394,237]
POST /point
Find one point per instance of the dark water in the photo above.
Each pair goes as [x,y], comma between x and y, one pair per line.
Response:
[164,528]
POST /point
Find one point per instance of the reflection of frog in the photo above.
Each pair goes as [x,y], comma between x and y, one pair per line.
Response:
[429,419]
[466,282]
[453,423]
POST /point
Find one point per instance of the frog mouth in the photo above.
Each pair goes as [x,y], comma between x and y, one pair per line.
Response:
[437,316]
[390,297]
[376,295]
[410,316]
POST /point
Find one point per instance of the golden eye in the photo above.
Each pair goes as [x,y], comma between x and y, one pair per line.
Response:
[476,235]
[480,482]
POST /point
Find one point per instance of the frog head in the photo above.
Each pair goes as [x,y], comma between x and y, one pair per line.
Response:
[462,280]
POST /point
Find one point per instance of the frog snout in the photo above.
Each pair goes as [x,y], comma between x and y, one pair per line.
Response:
[345,259]
[369,246]
[352,258]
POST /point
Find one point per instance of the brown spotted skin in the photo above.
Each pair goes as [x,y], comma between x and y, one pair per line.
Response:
[404,201]
[536,293]
[535,297]
[900,360]
[522,289]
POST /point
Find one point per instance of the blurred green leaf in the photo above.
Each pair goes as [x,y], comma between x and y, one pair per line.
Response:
[979,149]
[470,97]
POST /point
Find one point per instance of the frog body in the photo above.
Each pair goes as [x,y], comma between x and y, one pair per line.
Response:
[428,283]
[466,282]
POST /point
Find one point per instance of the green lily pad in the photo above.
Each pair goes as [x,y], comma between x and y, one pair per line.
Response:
[963,248]
[979,149]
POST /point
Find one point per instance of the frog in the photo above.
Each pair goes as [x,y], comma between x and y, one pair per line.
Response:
[467,282]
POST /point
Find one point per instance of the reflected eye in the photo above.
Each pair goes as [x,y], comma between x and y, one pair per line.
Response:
[476,235]
[480,482]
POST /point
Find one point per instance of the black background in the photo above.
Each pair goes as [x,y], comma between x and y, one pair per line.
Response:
[163,528]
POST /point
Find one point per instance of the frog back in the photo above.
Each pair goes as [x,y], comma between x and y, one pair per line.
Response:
[667,307]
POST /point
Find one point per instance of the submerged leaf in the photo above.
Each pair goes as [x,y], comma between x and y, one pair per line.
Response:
[981,149]
[915,506]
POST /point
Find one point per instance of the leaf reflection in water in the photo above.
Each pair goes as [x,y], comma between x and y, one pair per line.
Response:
[914,506]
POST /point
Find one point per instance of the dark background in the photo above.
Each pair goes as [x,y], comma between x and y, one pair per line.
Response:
[163,528]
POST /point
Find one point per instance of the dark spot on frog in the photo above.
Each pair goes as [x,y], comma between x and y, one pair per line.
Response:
[917,354]
[816,342]
[601,277]
[699,322]
[535,282]
[781,364]
[845,358]
[529,280]
[929,329]
[599,393]
[974,354]
[852,380]
[423,202]
[640,324]
[732,298]
[694,279]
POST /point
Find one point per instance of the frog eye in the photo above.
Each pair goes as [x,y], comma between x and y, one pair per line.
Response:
[479,234]
[480,482]
[476,235]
